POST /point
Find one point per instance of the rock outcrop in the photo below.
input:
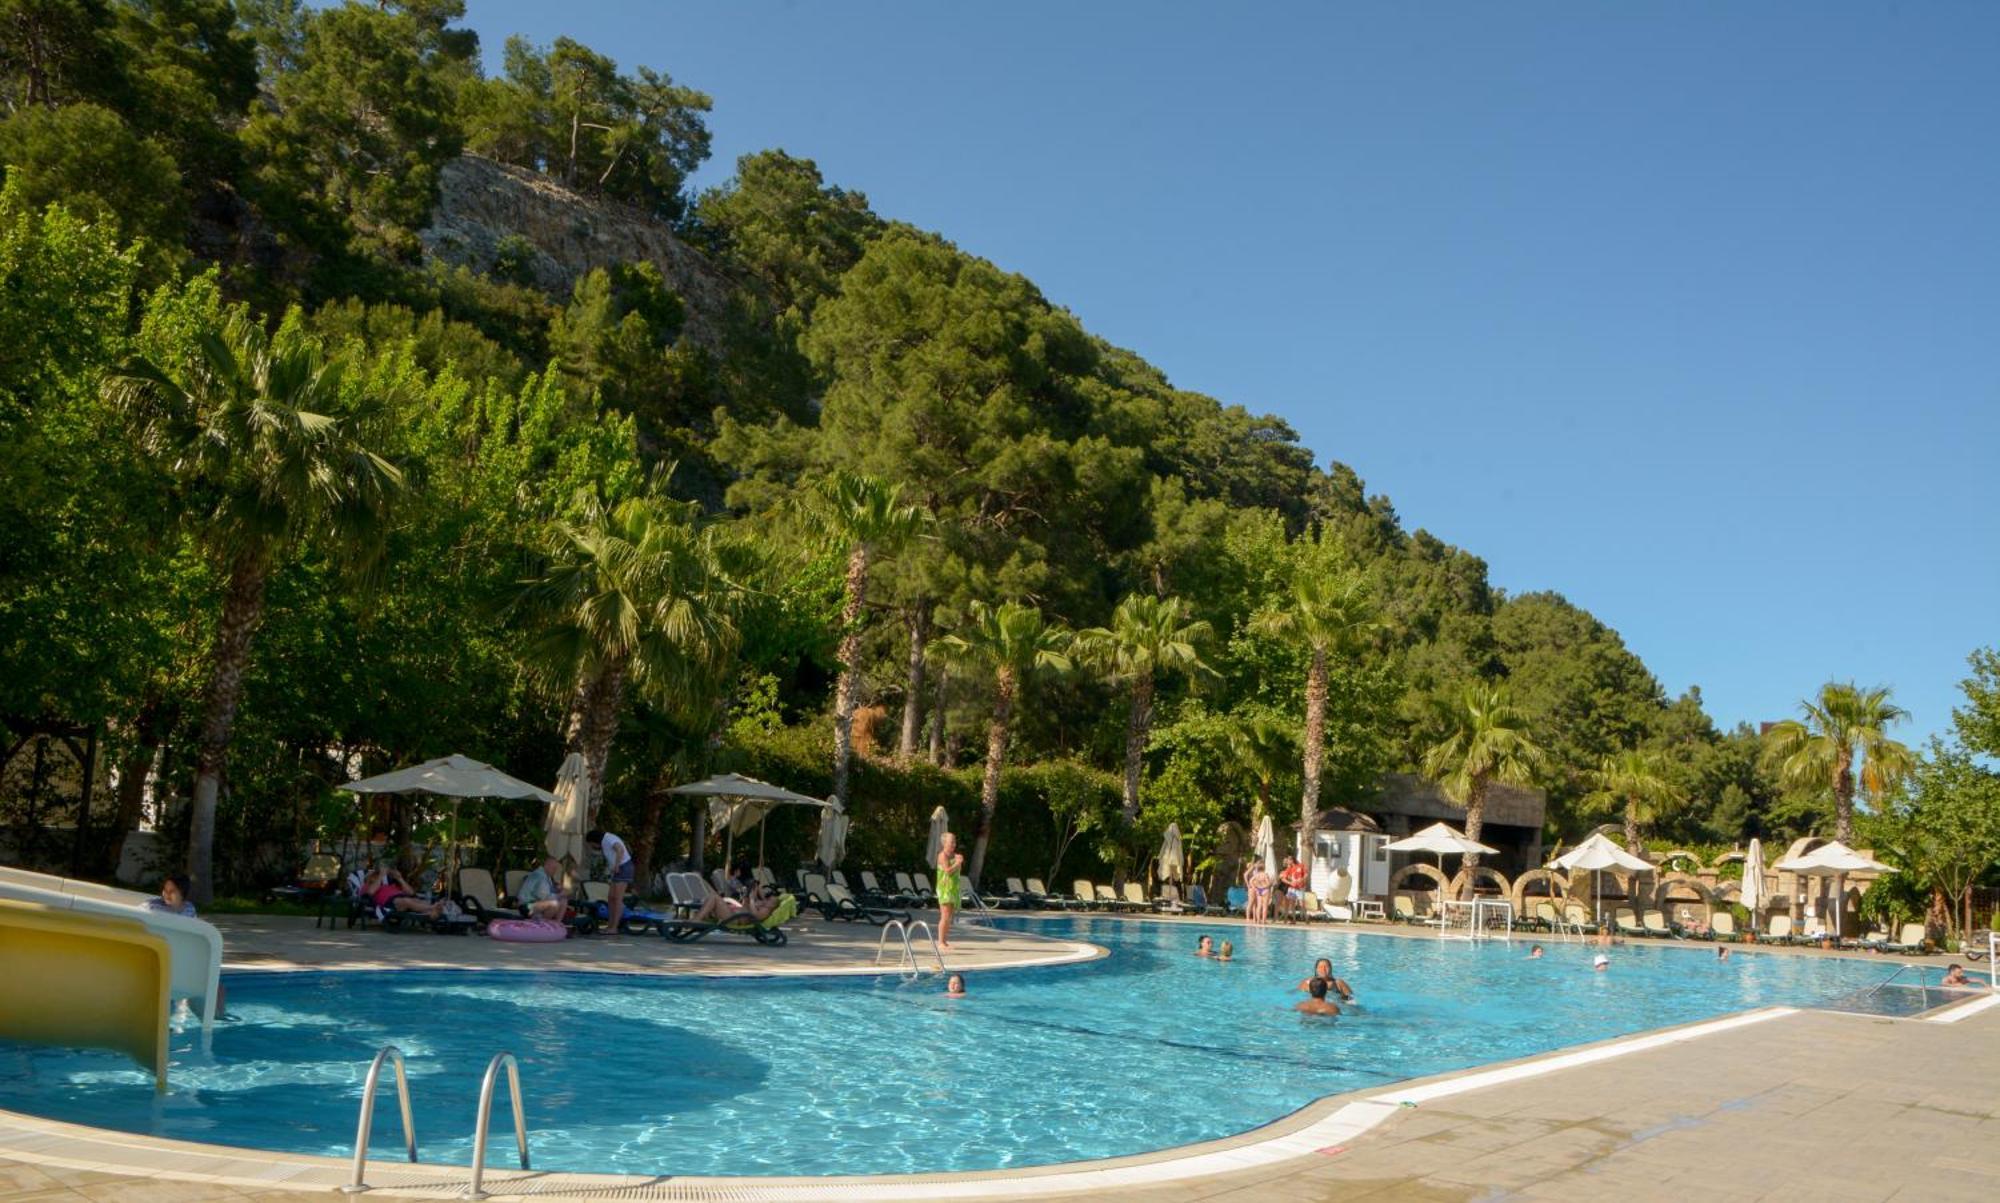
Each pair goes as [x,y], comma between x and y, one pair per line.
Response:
[481,202]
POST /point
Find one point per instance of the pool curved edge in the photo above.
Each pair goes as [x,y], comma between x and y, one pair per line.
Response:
[1320,1127]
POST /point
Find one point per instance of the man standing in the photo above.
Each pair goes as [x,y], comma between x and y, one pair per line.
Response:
[617,870]
[1293,879]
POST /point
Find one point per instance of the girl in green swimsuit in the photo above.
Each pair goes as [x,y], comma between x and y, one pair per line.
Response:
[948,864]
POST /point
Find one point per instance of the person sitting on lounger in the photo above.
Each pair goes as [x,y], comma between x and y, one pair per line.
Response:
[1319,1003]
[388,891]
[173,897]
[1323,972]
[718,908]
[539,895]
[1205,947]
[1954,975]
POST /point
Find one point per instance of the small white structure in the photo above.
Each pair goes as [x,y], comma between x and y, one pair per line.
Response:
[1348,866]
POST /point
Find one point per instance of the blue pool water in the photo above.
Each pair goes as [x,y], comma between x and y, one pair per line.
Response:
[1149,1048]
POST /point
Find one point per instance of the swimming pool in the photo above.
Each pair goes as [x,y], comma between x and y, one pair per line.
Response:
[1148,1048]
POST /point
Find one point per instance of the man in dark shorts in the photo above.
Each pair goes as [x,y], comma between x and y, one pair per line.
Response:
[618,870]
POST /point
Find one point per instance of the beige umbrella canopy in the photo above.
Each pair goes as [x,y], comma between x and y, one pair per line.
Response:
[738,803]
[1832,859]
[453,777]
[1597,854]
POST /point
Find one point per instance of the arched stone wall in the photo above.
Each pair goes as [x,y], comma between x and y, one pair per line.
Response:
[1694,863]
[1460,886]
[1557,890]
[1684,884]
[1404,874]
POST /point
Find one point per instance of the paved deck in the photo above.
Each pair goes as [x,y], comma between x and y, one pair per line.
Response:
[1792,1105]
[817,946]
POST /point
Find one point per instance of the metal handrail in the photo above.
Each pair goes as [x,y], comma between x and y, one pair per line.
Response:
[928,935]
[486,1119]
[1900,970]
[906,965]
[389,1052]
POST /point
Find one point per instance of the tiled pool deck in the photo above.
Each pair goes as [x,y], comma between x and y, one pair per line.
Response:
[1774,1105]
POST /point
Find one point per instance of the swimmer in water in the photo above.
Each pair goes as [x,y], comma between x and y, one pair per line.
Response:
[1205,947]
[1535,953]
[1319,1003]
[1323,971]
[954,986]
[1600,964]
[1227,950]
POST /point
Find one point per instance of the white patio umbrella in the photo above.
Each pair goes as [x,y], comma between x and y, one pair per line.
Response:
[1173,863]
[1598,854]
[564,827]
[1752,895]
[453,777]
[1442,840]
[940,824]
[738,803]
[832,837]
[1832,859]
[1266,846]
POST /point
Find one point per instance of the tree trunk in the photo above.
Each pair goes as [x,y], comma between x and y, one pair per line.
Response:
[996,760]
[1475,820]
[647,838]
[593,727]
[919,620]
[1843,830]
[849,685]
[1315,751]
[242,607]
[1632,826]
[132,774]
[1137,723]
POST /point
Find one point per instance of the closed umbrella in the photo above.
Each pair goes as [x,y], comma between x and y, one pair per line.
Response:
[1598,854]
[453,777]
[1266,846]
[832,837]
[1172,861]
[940,824]
[564,827]
[1753,880]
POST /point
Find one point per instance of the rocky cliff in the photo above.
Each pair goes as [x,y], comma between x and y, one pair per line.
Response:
[481,202]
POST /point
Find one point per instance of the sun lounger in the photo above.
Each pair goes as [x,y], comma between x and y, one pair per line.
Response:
[1655,924]
[1911,939]
[318,877]
[1316,908]
[873,893]
[1084,897]
[1975,945]
[1169,901]
[1108,899]
[1199,903]
[1043,897]
[1404,908]
[513,879]
[1577,917]
[1778,930]
[1135,898]
[1545,916]
[768,930]
[477,895]
[1625,923]
[1722,924]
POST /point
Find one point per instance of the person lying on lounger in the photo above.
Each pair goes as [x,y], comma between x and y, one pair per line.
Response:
[388,891]
[719,908]
[539,894]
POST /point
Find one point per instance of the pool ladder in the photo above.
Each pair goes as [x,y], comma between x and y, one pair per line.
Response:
[907,963]
[391,1053]
[1900,970]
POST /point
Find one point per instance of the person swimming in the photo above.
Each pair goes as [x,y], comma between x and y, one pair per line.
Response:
[1319,1003]
[1721,953]
[954,986]
[1228,950]
[1205,947]
[1600,963]
[1954,975]
[1323,972]
[1535,953]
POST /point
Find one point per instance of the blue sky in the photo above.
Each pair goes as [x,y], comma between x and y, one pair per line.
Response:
[1687,311]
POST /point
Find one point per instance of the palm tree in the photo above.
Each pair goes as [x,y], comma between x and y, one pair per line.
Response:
[1844,733]
[1328,614]
[1148,636]
[265,452]
[1261,747]
[1485,740]
[865,517]
[1637,780]
[1013,642]
[635,594]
